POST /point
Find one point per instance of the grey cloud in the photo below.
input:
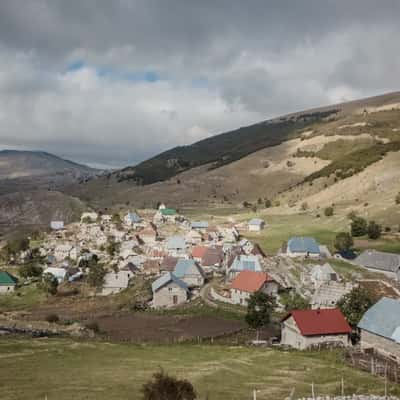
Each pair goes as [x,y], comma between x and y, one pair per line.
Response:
[257,58]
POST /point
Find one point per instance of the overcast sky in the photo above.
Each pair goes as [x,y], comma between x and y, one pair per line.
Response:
[114,82]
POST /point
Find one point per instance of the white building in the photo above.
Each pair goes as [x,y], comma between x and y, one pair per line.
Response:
[114,282]
[256,225]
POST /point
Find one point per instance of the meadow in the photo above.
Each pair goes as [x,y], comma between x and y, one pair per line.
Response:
[64,369]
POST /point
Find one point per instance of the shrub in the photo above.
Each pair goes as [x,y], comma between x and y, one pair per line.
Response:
[165,387]
[343,242]
[52,318]
[358,227]
[397,200]
[328,211]
[49,284]
[30,270]
[374,230]
[268,203]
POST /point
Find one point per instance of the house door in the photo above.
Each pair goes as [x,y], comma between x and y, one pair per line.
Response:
[175,299]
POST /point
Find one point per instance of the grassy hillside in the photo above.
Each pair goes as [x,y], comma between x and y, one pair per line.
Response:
[221,149]
[64,369]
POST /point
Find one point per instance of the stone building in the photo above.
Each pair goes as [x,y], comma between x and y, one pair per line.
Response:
[380,328]
[169,291]
[303,329]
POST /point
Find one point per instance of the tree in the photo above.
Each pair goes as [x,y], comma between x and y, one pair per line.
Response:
[294,301]
[96,275]
[259,309]
[397,199]
[165,387]
[30,270]
[49,284]
[15,246]
[343,242]
[374,230]
[112,247]
[268,203]
[354,305]
[328,211]
[116,218]
[358,226]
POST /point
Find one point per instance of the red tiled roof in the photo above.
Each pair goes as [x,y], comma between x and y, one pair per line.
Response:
[198,251]
[250,281]
[326,321]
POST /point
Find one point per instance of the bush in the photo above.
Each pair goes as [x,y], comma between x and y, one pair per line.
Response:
[268,203]
[374,230]
[328,211]
[49,284]
[52,318]
[96,275]
[165,387]
[358,227]
[294,301]
[343,242]
[30,270]
[397,199]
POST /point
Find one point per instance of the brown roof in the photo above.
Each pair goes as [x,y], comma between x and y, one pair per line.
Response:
[198,251]
[151,266]
[168,263]
[212,256]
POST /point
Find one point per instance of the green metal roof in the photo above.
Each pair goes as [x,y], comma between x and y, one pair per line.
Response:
[168,211]
[7,279]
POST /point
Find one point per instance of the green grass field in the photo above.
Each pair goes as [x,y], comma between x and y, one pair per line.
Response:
[65,369]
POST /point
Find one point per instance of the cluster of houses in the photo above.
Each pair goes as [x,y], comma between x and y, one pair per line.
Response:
[179,256]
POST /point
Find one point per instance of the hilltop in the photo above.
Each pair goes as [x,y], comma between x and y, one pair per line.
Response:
[310,156]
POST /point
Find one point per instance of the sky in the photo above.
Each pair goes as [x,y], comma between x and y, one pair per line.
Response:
[111,83]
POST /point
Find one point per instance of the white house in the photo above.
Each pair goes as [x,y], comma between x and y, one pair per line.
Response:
[7,283]
[114,282]
[58,273]
[304,329]
[321,274]
[256,225]
[57,225]
[249,282]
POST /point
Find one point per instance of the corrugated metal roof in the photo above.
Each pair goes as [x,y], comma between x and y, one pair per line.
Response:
[379,260]
[303,245]
[165,279]
[199,225]
[7,279]
[246,263]
[133,217]
[176,242]
[183,267]
[168,211]
[383,318]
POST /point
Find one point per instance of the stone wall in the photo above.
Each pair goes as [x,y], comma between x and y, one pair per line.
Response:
[380,344]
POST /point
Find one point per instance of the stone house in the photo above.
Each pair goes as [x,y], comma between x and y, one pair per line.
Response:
[151,267]
[168,264]
[212,258]
[303,329]
[328,294]
[380,328]
[64,251]
[169,291]
[7,282]
[89,216]
[249,282]
[190,273]
[379,261]
[116,281]
[149,235]
[256,225]
[321,274]
[57,225]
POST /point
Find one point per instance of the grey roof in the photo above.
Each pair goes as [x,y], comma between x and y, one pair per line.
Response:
[383,319]
[256,221]
[199,225]
[133,217]
[389,262]
[303,245]
[176,242]
[165,279]
[246,263]
[184,267]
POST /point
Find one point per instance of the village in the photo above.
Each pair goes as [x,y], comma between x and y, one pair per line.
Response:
[183,260]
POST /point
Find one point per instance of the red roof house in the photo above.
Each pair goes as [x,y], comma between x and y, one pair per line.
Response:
[248,282]
[307,328]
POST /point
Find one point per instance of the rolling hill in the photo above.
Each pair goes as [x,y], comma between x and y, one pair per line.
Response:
[309,156]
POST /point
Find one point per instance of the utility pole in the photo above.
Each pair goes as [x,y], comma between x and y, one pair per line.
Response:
[342,386]
[254,394]
[312,390]
[386,382]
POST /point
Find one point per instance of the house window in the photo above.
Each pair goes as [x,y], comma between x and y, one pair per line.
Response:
[170,289]
[175,299]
